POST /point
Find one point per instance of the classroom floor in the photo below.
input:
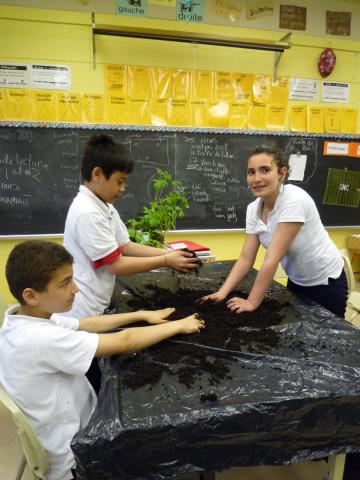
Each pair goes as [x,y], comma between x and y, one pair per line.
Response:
[10,454]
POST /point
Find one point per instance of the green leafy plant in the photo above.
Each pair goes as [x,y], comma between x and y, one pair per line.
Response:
[160,216]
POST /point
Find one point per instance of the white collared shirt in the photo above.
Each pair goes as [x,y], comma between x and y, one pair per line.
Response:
[93,230]
[42,366]
[312,258]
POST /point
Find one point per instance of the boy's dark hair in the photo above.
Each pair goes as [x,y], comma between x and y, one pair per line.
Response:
[32,264]
[102,151]
[278,154]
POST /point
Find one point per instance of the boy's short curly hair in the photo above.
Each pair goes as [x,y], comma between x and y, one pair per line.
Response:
[102,151]
[32,264]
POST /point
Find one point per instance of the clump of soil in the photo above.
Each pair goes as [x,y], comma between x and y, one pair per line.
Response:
[185,361]
[225,330]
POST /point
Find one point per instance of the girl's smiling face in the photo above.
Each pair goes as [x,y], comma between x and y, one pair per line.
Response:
[264,177]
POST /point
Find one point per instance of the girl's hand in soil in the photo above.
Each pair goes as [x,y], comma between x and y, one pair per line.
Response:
[191,324]
[239,305]
[154,317]
[214,297]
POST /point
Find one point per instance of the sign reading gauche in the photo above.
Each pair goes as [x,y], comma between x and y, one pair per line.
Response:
[132,8]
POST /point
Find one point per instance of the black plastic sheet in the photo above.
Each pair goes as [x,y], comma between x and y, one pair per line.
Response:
[278,402]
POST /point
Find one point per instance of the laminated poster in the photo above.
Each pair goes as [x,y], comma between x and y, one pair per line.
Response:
[298,118]
[116,80]
[92,108]
[43,106]
[190,11]
[17,104]
[132,8]
[68,108]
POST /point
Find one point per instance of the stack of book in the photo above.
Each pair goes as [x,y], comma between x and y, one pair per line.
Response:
[203,253]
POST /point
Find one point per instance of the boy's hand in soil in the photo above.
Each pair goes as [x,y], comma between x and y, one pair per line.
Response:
[191,324]
[239,305]
[181,261]
[214,297]
[155,317]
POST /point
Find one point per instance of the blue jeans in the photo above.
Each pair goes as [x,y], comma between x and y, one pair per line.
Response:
[333,296]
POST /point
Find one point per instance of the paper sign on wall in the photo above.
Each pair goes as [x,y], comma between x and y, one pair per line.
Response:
[335,92]
[14,76]
[51,77]
[297,164]
[303,89]
[132,8]
[258,9]
[336,148]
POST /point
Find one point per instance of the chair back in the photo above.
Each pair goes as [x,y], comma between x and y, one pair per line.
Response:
[34,452]
[3,308]
[348,270]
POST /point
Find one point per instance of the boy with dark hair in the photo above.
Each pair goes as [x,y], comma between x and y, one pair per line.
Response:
[44,356]
[96,236]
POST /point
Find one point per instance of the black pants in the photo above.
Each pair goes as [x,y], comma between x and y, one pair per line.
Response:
[73,474]
[333,296]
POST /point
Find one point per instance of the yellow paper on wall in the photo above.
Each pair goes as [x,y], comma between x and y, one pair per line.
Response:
[92,108]
[159,112]
[276,116]
[229,9]
[115,80]
[202,85]
[139,111]
[17,104]
[331,120]
[68,107]
[181,84]
[238,117]
[198,113]
[280,90]
[2,111]
[315,120]
[178,112]
[242,85]
[261,88]
[163,3]
[43,105]
[298,118]
[161,82]
[218,114]
[348,120]
[116,109]
[257,117]
[223,86]
[138,82]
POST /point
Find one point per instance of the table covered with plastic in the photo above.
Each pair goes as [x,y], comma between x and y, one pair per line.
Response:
[270,387]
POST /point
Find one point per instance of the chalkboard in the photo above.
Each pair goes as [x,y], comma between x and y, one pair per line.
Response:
[40,174]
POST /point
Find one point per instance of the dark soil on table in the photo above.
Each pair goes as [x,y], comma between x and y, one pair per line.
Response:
[249,332]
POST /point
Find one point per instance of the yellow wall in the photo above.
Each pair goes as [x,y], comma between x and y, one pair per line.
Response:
[59,37]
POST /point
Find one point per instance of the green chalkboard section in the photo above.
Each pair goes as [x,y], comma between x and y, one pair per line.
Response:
[40,174]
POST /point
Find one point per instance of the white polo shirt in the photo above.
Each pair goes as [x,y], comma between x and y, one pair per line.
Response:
[94,235]
[42,366]
[312,257]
